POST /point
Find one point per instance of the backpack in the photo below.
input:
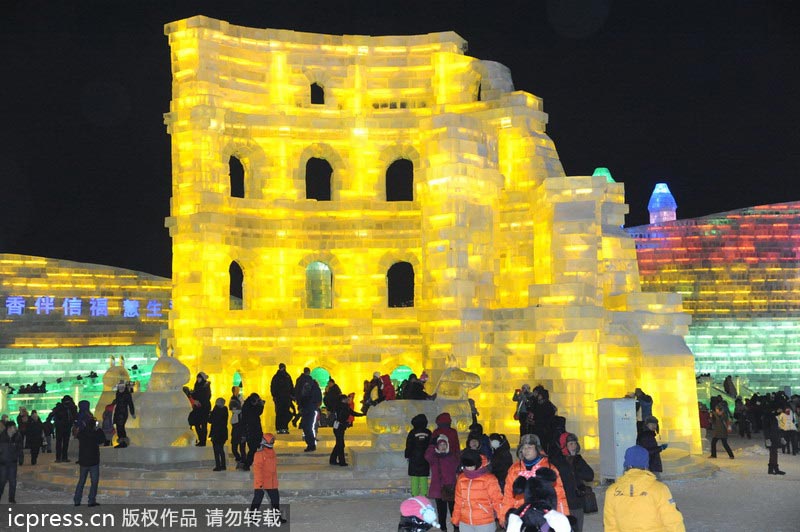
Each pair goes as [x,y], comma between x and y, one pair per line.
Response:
[305,391]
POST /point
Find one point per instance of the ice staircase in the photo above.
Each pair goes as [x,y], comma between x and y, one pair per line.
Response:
[300,474]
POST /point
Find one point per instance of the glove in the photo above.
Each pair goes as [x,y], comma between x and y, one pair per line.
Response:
[664,446]
[514,523]
[768,442]
[557,521]
[133,416]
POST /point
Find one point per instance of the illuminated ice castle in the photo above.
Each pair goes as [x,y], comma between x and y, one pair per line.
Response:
[739,275]
[391,201]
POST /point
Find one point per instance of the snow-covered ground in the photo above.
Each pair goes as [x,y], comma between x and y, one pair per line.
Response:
[739,497]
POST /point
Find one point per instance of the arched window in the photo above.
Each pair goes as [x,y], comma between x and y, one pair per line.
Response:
[236,276]
[478,95]
[400,284]
[318,179]
[319,285]
[236,173]
[317,94]
[400,181]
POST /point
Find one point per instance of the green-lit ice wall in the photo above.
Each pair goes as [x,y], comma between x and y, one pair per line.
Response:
[35,365]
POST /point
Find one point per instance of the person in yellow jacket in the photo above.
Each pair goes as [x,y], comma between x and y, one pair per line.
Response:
[637,501]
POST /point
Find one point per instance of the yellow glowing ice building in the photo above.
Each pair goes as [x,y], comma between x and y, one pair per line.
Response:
[392,201]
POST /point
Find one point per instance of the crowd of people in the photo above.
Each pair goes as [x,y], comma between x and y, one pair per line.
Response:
[544,482]
[776,415]
[26,388]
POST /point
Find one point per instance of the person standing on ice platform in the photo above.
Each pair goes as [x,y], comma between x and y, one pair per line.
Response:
[123,405]
[251,418]
[281,389]
[342,415]
[309,403]
[202,394]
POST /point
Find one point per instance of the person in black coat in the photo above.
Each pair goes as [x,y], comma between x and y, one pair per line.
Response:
[202,394]
[34,437]
[415,389]
[341,423]
[501,457]
[332,397]
[309,403]
[123,406]
[772,438]
[10,451]
[543,413]
[300,385]
[282,389]
[238,445]
[219,433]
[647,439]
[63,416]
[90,437]
[251,418]
[417,442]
[574,473]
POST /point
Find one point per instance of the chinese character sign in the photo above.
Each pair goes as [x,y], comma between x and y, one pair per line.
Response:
[72,306]
[130,308]
[98,306]
[45,305]
[154,309]
[15,305]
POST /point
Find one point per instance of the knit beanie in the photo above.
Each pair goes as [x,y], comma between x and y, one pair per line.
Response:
[444,419]
[471,458]
[636,457]
[421,508]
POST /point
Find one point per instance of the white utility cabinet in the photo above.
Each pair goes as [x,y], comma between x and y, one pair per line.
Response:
[617,420]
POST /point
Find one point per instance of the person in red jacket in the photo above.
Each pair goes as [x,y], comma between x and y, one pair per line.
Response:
[478,497]
[531,458]
[265,475]
[443,426]
[444,460]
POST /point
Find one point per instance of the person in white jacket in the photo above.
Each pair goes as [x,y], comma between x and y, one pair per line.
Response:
[787,422]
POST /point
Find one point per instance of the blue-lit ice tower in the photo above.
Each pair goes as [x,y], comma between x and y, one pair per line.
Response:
[662,205]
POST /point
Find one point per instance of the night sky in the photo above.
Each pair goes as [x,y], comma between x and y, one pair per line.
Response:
[704,98]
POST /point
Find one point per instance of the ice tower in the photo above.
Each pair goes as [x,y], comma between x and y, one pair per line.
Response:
[662,206]
[391,201]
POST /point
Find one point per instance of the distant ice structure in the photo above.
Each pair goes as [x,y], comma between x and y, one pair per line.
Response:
[662,206]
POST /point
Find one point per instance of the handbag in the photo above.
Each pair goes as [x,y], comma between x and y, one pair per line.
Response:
[447,491]
[589,500]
